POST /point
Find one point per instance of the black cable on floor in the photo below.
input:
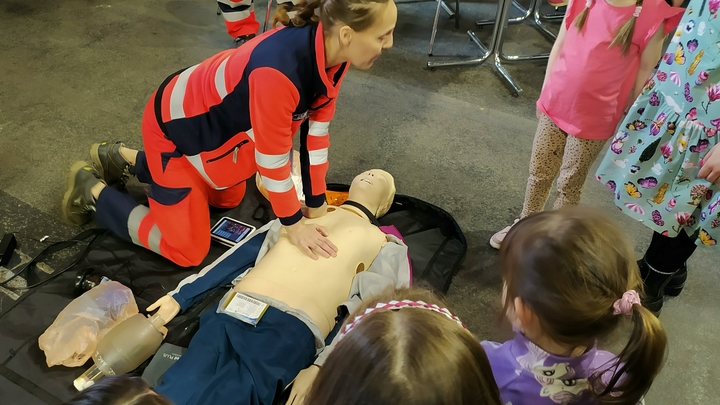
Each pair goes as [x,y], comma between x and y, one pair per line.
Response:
[56,247]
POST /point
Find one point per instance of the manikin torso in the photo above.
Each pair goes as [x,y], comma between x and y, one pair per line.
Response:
[317,287]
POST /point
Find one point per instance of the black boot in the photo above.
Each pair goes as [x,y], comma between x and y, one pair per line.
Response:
[677,282]
[655,282]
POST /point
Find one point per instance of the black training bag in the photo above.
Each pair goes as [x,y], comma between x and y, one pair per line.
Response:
[435,241]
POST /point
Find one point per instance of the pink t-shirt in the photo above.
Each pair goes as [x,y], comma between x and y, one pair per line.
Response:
[590,82]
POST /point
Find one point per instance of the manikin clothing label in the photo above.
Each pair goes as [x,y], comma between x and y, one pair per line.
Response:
[242,307]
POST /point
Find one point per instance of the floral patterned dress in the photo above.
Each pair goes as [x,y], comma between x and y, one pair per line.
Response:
[655,156]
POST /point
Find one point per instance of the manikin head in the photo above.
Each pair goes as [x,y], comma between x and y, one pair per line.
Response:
[355,31]
[374,189]
[408,356]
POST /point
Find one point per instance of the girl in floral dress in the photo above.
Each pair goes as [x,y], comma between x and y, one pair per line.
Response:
[663,165]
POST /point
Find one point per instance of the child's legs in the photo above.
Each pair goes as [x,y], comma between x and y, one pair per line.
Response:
[545,162]
[579,156]
[228,198]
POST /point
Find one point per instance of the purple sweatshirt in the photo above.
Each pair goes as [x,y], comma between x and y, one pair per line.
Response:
[526,374]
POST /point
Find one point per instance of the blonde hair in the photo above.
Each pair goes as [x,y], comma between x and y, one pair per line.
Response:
[357,14]
[578,258]
[408,356]
[624,34]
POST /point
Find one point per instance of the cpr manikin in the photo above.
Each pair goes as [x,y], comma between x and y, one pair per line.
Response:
[297,288]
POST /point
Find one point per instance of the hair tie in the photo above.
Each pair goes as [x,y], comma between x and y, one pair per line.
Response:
[398,305]
[636,13]
[625,304]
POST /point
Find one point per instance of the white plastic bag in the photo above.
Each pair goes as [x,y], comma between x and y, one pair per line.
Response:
[72,338]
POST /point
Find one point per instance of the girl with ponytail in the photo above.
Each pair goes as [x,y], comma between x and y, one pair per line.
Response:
[604,53]
[570,279]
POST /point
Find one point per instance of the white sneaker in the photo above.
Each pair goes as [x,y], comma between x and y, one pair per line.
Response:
[498,238]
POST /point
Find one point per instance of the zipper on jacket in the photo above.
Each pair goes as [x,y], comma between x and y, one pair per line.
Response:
[234,151]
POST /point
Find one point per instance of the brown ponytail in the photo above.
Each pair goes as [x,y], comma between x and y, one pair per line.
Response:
[577,257]
[580,19]
[357,14]
[624,35]
[637,365]
[305,13]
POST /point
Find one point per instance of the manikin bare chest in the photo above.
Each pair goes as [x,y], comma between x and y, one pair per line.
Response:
[317,287]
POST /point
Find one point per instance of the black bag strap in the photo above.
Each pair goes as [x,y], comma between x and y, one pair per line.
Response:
[373,219]
[55,247]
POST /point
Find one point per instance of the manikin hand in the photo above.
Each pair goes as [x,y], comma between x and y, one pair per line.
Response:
[302,384]
[167,308]
[314,212]
[311,239]
[710,165]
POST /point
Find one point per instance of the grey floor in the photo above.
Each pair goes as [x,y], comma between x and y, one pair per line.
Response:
[76,72]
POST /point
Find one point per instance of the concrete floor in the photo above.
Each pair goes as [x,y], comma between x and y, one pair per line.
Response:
[77,72]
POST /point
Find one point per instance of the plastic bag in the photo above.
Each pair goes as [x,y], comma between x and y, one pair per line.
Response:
[71,340]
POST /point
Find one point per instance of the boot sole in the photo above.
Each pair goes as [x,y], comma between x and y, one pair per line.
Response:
[66,203]
[674,291]
[95,158]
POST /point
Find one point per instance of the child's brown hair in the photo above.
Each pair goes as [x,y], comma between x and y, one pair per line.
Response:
[570,266]
[119,390]
[407,356]
[624,34]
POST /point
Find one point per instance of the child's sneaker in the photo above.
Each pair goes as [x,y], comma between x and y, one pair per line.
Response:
[498,238]
[558,3]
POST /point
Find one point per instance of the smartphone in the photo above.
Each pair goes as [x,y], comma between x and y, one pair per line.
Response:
[229,231]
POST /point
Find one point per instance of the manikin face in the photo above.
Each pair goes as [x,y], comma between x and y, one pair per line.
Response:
[373,185]
[364,48]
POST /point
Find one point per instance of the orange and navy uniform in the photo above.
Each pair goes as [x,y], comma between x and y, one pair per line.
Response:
[239,16]
[212,126]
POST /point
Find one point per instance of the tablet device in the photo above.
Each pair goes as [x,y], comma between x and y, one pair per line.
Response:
[229,231]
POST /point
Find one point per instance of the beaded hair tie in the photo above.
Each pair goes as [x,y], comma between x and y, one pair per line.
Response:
[393,305]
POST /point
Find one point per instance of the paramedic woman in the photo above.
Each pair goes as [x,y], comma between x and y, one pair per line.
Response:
[210,127]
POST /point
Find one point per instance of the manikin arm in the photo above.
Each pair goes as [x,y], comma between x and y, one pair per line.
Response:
[219,273]
[167,308]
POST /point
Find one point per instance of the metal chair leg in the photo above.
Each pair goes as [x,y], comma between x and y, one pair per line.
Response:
[267,15]
[435,24]
[457,14]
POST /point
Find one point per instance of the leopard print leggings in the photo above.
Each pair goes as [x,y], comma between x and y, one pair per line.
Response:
[554,151]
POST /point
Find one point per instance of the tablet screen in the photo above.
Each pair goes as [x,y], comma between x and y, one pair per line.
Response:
[232,231]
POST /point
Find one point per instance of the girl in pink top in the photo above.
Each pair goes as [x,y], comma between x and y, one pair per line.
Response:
[604,53]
